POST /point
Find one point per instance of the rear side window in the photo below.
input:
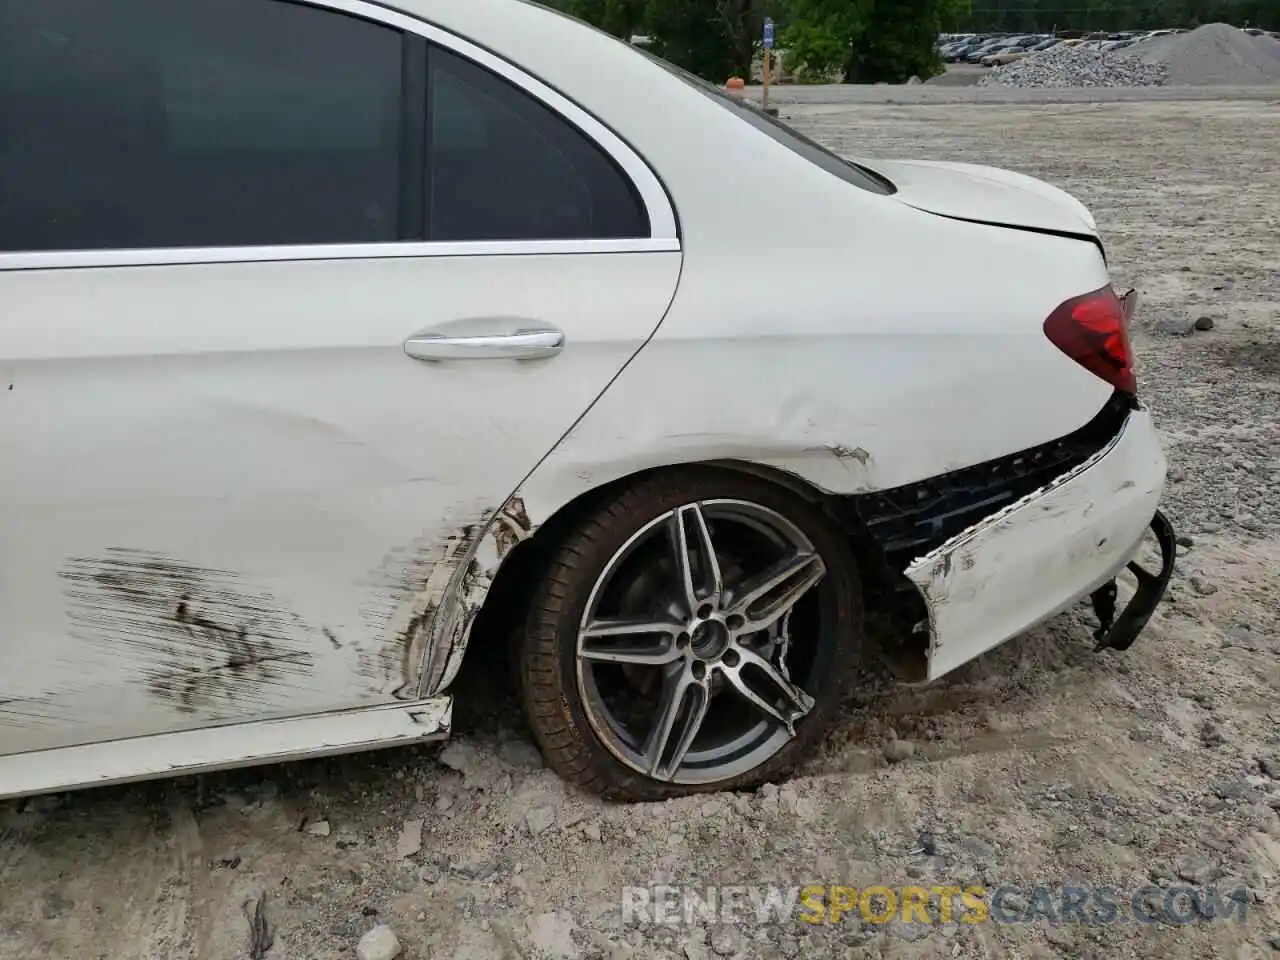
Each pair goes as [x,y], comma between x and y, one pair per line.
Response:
[142,124]
[503,166]
[155,123]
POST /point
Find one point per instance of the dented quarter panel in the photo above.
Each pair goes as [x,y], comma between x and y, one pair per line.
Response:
[852,390]
[849,391]
[222,501]
[1041,554]
[854,322]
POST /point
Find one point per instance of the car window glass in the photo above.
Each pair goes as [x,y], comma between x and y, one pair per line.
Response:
[153,123]
[812,151]
[504,166]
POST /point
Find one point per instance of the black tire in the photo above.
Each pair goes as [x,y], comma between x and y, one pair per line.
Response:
[547,646]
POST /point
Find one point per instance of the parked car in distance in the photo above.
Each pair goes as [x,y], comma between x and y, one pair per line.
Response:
[975,54]
[957,51]
[1015,49]
[346,340]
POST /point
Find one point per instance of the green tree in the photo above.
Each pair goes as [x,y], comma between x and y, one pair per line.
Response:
[1086,15]
[622,18]
[712,38]
[870,40]
[821,35]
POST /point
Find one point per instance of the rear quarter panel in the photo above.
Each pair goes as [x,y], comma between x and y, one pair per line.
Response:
[879,350]
[818,328]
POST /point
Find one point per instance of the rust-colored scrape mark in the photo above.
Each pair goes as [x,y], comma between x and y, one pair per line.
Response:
[469,590]
[511,526]
[471,585]
[200,638]
[424,589]
[407,590]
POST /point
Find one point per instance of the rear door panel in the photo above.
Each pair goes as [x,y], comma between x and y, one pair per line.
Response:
[222,485]
[226,492]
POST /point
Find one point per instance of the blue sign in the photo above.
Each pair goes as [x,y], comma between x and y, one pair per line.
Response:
[768,33]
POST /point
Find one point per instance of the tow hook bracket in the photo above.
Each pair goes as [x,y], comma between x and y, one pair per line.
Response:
[1119,633]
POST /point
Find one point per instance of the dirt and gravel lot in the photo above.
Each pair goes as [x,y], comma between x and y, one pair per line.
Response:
[1039,763]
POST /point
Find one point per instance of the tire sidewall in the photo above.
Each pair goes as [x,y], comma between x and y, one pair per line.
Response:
[580,563]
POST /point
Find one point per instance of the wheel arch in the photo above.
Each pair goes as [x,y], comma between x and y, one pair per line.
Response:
[491,607]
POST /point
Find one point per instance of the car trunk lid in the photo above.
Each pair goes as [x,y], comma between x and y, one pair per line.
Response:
[987,195]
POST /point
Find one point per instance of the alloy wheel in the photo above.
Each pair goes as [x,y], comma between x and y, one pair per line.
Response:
[687,664]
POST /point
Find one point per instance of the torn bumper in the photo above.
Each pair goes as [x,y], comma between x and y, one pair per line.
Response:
[1045,552]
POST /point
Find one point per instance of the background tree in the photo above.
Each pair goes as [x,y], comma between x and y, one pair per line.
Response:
[1041,16]
[712,38]
[622,18]
[822,36]
[868,41]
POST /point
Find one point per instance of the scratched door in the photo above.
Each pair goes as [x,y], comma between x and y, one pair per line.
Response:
[224,482]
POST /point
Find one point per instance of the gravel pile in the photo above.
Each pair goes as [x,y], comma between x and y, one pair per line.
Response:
[1082,65]
[1216,54]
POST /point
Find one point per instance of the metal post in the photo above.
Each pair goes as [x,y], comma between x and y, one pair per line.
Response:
[768,58]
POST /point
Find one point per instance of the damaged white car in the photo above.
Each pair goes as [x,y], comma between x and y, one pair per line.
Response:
[338,337]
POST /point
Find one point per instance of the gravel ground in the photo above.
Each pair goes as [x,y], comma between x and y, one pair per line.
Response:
[958,75]
[836,95]
[1078,66]
[1039,763]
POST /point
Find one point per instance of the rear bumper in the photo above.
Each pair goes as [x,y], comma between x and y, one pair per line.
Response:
[1043,553]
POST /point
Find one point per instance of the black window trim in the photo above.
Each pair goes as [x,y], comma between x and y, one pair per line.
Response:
[415,148]
[663,236]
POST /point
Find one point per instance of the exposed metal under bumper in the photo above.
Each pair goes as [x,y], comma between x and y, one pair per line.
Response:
[1120,633]
[908,522]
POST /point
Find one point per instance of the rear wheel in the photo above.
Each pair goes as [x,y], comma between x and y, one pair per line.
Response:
[695,632]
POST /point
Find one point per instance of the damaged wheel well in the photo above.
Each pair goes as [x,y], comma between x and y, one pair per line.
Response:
[887,529]
[891,603]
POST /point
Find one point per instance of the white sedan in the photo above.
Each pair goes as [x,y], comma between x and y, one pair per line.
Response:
[337,337]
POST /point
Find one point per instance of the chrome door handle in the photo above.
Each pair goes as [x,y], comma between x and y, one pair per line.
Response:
[520,345]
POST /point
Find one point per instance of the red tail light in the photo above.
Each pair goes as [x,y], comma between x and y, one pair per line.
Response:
[1093,331]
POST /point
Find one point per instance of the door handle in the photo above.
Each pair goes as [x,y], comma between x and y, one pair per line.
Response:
[518,345]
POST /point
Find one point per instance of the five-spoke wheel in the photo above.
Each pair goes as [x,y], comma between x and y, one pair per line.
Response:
[693,633]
